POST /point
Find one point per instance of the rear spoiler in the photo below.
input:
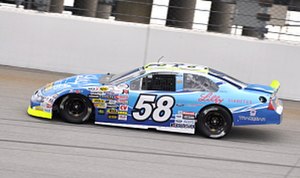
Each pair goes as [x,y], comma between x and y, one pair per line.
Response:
[275,85]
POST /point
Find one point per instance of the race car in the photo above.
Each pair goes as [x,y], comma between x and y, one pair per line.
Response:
[174,97]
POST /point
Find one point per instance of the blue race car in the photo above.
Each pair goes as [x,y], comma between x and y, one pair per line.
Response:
[173,97]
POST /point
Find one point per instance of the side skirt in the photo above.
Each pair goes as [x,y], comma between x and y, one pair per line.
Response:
[167,129]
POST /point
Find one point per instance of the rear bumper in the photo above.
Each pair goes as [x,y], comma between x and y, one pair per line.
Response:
[260,116]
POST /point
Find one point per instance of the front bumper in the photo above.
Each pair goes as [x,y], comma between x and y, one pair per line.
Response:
[38,106]
[39,113]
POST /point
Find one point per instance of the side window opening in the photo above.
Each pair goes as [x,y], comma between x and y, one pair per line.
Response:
[193,82]
[162,82]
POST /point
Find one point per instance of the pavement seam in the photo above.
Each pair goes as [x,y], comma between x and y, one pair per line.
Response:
[292,168]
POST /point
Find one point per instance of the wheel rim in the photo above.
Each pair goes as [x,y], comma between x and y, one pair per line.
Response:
[75,107]
[215,122]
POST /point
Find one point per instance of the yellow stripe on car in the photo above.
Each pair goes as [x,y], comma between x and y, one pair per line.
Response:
[38,113]
[176,67]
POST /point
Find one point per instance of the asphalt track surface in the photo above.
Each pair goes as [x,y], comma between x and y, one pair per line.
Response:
[32,147]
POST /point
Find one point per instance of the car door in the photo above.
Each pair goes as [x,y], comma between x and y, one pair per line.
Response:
[152,99]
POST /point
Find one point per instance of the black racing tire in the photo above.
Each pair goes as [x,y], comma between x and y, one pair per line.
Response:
[214,122]
[75,108]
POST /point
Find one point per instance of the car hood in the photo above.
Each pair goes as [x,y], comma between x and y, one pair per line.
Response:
[74,82]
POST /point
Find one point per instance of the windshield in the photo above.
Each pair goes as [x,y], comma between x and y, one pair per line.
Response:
[228,78]
[122,77]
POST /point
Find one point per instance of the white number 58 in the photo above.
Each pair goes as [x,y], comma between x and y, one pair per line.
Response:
[160,110]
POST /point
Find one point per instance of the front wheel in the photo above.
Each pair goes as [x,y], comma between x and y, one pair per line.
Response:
[214,122]
[75,109]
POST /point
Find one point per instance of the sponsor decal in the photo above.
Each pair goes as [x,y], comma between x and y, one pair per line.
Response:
[125,92]
[122,113]
[252,112]
[101,111]
[125,101]
[121,97]
[112,105]
[112,116]
[122,117]
[107,97]
[194,105]
[75,91]
[188,115]
[252,119]
[189,122]
[100,105]
[183,126]
[178,121]
[210,97]
[96,94]
[98,101]
[240,101]
[110,93]
[93,96]
[179,105]
[178,116]
[112,101]
[104,88]
[123,107]
[112,111]
[39,108]
[94,89]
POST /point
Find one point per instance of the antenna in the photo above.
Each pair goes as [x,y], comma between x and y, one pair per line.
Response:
[160,59]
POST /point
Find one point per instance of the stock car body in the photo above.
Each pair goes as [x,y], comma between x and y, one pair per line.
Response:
[175,97]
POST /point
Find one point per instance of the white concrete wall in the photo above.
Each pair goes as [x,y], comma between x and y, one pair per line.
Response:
[85,45]
[68,44]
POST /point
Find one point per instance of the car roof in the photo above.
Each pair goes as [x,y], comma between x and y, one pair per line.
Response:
[176,67]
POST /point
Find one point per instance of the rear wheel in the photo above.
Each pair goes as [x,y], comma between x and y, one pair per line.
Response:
[214,122]
[75,109]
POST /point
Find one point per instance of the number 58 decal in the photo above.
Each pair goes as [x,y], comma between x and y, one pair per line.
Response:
[148,106]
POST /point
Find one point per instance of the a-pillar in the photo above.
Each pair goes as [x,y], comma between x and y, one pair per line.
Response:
[57,6]
[181,13]
[138,11]
[220,18]
[86,8]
